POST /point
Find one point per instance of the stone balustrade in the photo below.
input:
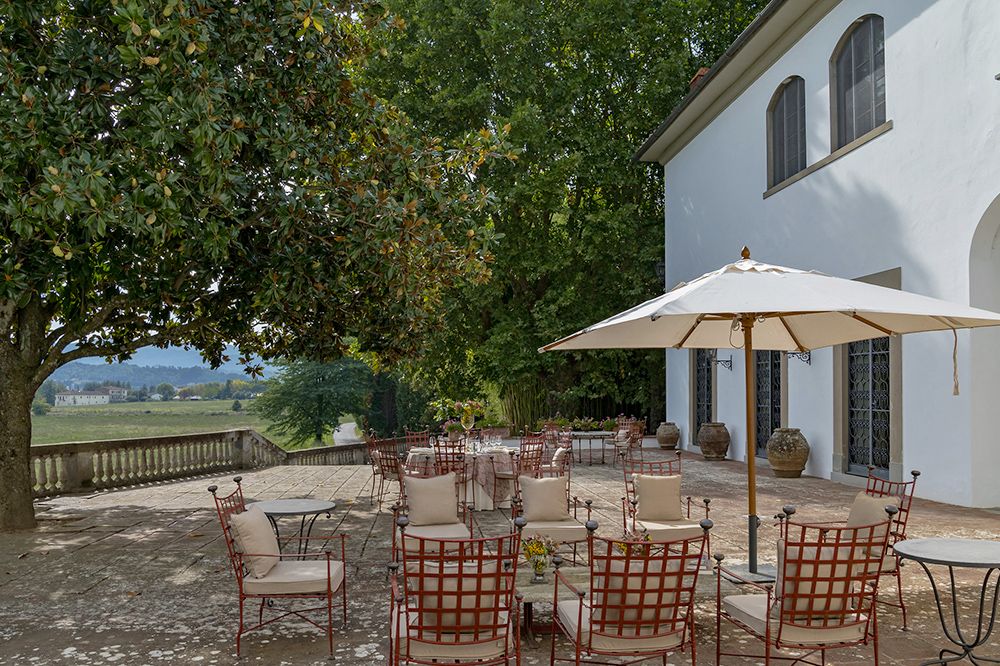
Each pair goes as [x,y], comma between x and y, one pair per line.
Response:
[73,466]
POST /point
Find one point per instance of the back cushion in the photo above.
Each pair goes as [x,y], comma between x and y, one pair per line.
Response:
[544,499]
[437,588]
[643,600]
[659,497]
[558,456]
[431,501]
[806,599]
[254,536]
[869,510]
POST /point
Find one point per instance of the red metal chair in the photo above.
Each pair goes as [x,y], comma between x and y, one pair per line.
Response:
[640,603]
[384,456]
[454,602]
[450,456]
[903,490]
[824,597]
[291,576]
[658,527]
[418,439]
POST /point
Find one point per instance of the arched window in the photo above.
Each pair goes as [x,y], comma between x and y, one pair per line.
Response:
[787,124]
[858,72]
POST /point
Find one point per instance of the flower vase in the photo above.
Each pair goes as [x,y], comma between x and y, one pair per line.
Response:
[538,566]
[467,421]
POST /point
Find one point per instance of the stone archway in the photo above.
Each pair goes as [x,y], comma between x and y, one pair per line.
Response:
[984,354]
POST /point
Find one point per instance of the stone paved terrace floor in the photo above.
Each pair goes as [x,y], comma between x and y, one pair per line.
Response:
[139,576]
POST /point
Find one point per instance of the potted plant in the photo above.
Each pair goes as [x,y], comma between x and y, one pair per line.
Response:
[609,425]
[454,429]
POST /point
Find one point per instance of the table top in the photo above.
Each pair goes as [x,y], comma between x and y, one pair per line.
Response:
[972,553]
[295,507]
[534,593]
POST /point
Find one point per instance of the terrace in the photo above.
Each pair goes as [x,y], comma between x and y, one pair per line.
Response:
[139,575]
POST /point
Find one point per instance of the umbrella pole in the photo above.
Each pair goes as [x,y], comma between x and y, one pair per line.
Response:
[751,397]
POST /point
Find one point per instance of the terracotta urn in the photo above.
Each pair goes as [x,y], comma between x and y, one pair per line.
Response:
[787,451]
[667,435]
[713,439]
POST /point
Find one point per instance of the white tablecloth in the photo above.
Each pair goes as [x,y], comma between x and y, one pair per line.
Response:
[480,470]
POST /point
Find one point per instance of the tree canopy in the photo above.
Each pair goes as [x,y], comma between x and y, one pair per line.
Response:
[204,172]
[580,85]
[306,400]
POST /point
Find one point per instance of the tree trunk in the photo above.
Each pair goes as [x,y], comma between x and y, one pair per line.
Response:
[16,393]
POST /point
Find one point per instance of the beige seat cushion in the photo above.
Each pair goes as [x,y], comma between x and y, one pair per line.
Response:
[659,497]
[431,501]
[544,499]
[428,645]
[255,537]
[670,530]
[297,577]
[560,531]
[448,531]
[751,610]
[569,615]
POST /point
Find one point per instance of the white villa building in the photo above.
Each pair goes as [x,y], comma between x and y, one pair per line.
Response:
[99,396]
[860,138]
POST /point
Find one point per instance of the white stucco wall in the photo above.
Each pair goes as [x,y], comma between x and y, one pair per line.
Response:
[911,198]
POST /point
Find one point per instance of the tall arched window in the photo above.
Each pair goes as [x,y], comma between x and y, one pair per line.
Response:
[787,123]
[858,71]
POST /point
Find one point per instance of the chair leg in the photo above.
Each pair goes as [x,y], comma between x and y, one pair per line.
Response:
[329,621]
[343,594]
[239,631]
[260,612]
[371,499]
[694,643]
[555,635]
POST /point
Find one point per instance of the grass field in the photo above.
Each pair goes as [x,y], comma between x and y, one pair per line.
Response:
[146,419]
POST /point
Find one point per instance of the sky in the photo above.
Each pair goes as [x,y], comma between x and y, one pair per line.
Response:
[177,357]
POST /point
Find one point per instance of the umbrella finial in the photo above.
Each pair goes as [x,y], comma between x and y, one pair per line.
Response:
[745,253]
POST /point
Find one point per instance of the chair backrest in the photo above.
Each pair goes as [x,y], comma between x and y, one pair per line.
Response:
[827,576]
[530,454]
[384,456]
[633,468]
[417,439]
[458,592]
[878,487]
[449,456]
[225,507]
[636,430]
[550,434]
[565,439]
[642,589]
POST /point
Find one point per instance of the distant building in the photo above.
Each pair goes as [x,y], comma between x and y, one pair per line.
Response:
[77,398]
[156,396]
[99,396]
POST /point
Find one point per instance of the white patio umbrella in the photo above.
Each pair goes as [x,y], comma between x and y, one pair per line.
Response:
[750,305]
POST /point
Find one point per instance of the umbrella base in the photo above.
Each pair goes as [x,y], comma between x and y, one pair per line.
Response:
[766,573]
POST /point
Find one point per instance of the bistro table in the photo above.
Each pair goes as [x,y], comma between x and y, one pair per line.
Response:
[590,435]
[539,593]
[309,509]
[962,554]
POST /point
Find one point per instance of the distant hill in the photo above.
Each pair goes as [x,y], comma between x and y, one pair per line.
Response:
[78,372]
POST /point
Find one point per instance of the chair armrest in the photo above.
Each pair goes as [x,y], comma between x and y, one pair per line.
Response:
[559,577]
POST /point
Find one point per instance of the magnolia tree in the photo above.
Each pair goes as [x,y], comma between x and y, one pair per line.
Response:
[204,172]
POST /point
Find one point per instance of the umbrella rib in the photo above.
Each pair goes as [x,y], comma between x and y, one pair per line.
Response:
[854,315]
[798,345]
[690,331]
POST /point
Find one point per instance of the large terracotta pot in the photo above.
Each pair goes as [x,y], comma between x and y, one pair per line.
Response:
[667,435]
[713,439]
[787,451]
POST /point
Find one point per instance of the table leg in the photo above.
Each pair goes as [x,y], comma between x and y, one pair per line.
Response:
[307,532]
[529,621]
[964,645]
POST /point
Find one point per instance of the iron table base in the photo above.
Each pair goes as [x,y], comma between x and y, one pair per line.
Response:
[964,647]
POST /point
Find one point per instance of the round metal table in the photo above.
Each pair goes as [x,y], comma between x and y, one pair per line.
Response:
[961,554]
[309,509]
